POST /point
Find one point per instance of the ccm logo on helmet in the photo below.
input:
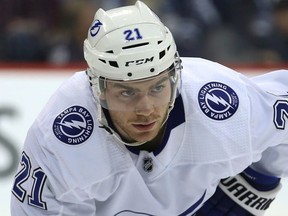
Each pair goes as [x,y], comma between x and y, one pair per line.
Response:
[139,61]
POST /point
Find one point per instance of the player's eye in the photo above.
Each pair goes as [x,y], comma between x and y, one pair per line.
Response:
[158,88]
[128,93]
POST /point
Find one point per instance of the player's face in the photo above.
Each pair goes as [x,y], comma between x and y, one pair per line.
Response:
[138,109]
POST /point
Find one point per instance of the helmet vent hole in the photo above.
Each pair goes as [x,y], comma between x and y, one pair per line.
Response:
[129,74]
[113,64]
[161,54]
[159,42]
[110,51]
[168,48]
[135,45]
[152,70]
[102,60]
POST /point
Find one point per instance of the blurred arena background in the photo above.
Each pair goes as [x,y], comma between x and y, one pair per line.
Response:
[41,46]
[238,31]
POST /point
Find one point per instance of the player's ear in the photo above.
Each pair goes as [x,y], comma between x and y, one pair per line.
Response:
[102,96]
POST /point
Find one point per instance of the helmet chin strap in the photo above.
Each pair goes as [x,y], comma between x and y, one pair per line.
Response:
[103,121]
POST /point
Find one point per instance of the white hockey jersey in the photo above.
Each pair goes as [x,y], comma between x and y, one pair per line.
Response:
[221,123]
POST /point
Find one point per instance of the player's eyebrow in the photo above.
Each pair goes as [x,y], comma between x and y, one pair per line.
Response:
[122,86]
[125,86]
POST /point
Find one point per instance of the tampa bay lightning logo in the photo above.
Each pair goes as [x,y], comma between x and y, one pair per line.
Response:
[95,28]
[218,101]
[74,125]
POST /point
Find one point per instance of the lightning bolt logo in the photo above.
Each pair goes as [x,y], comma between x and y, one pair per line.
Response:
[218,100]
[73,124]
[95,28]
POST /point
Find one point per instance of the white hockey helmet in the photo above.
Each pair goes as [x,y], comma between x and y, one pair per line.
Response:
[129,44]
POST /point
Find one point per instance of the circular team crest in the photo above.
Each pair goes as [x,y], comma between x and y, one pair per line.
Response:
[218,101]
[74,125]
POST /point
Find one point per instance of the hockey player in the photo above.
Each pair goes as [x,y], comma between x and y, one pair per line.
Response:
[145,132]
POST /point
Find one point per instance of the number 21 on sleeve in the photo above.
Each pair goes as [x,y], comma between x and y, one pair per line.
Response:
[39,178]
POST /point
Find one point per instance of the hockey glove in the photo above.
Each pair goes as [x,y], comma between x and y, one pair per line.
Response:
[246,194]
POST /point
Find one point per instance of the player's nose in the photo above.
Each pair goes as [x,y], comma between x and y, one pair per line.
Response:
[144,106]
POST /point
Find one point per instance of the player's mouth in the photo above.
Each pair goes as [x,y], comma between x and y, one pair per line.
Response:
[144,126]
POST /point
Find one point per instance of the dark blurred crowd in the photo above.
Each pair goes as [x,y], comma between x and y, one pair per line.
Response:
[228,31]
